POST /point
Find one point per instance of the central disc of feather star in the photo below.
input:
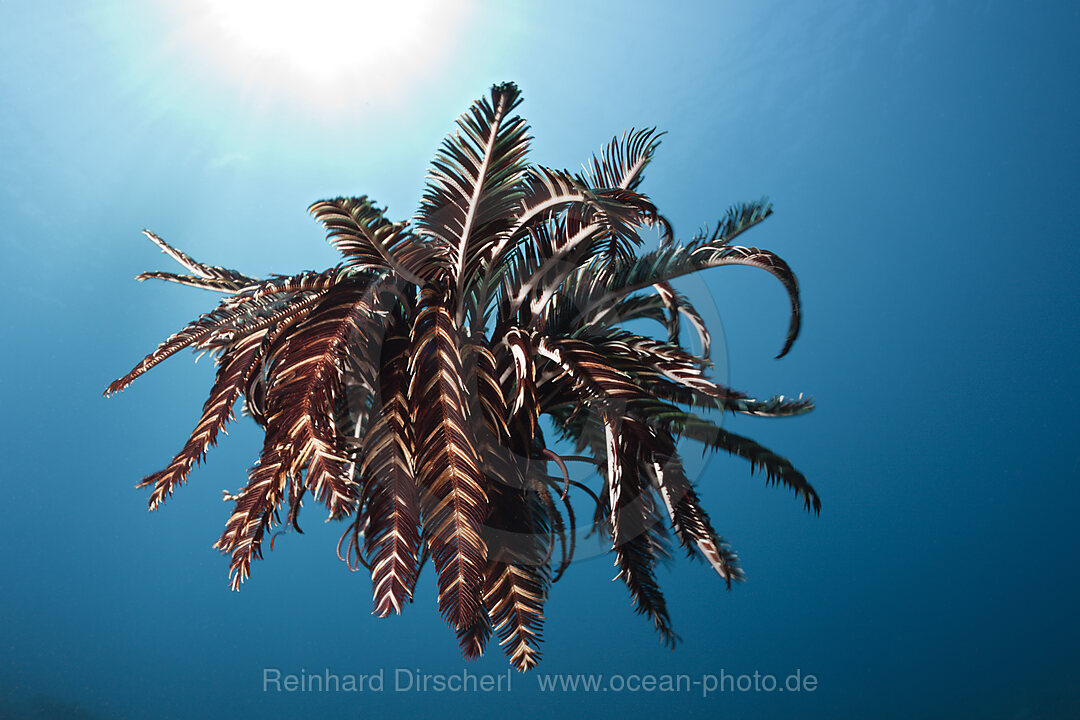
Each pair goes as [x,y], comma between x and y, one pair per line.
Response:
[404,387]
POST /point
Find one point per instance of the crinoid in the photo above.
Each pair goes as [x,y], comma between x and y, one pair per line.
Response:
[405,388]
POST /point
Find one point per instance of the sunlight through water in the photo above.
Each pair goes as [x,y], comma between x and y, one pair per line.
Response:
[325,52]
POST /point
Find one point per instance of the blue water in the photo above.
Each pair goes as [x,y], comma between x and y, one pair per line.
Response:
[923,159]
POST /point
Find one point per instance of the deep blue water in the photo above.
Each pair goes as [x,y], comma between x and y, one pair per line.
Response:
[923,159]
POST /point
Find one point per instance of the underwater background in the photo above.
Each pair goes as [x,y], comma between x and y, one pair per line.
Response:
[924,161]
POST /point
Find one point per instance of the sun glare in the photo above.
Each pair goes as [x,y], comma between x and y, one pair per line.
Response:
[325,48]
